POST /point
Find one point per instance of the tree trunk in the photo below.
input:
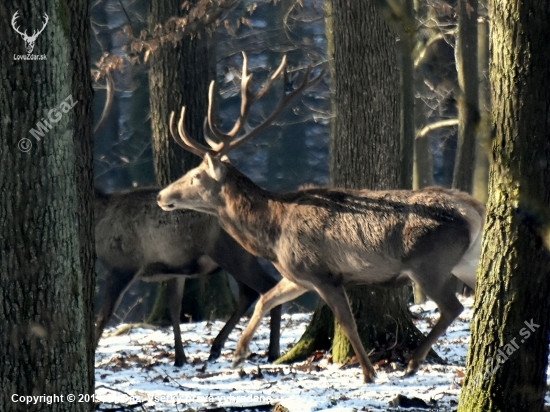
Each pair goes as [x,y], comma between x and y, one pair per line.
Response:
[510,329]
[468,104]
[483,149]
[179,76]
[317,336]
[365,152]
[423,170]
[46,235]
[406,82]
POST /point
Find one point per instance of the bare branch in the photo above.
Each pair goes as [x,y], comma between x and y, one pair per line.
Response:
[434,126]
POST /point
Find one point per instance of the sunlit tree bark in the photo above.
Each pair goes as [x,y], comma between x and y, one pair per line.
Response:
[506,369]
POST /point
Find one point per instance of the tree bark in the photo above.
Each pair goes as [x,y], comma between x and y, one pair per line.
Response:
[510,329]
[406,81]
[423,170]
[468,104]
[179,76]
[483,148]
[46,236]
[365,152]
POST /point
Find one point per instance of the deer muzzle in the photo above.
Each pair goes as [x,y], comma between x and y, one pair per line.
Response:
[165,203]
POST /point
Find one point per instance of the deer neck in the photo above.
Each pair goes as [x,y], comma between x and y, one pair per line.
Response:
[251,215]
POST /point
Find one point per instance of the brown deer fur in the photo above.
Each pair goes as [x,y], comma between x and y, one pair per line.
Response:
[326,239]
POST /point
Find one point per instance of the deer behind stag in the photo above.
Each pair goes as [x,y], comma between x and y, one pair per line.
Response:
[326,239]
[135,240]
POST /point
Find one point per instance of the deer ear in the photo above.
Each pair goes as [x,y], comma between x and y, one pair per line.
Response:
[215,168]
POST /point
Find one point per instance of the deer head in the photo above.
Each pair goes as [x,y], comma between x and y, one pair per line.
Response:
[28,39]
[199,188]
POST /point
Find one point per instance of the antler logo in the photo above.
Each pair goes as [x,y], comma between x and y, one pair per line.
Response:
[28,39]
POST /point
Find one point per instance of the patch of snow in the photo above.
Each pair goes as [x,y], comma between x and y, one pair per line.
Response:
[137,368]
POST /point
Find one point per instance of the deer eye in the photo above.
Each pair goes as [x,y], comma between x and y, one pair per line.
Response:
[195,179]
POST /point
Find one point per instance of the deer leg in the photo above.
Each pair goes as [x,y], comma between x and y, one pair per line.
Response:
[284,291]
[247,296]
[118,282]
[337,300]
[274,352]
[245,269]
[441,291]
[175,294]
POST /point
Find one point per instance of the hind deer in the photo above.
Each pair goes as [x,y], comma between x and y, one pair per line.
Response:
[135,240]
[327,239]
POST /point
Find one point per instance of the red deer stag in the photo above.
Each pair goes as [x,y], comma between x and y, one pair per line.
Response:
[326,239]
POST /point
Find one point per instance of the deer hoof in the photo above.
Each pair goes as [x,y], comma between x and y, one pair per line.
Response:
[273,357]
[369,375]
[368,378]
[411,368]
[180,362]
[214,354]
[238,360]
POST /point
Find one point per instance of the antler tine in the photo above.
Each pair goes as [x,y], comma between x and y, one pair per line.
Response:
[211,142]
[269,82]
[110,89]
[283,103]
[210,114]
[247,99]
[181,137]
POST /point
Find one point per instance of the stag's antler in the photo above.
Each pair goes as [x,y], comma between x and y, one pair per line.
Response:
[229,141]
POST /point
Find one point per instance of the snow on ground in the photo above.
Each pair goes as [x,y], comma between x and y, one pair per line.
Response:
[137,368]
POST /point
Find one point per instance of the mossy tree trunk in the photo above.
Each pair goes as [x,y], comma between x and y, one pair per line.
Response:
[180,76]
[510,329]
[365,152]
[46,236]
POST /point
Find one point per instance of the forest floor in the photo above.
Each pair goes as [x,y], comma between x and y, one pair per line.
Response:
[135,371]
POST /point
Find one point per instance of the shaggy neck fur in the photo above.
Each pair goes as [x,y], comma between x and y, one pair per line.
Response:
[250,214]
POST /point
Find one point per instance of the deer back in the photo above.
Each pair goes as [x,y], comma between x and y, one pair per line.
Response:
[363,233]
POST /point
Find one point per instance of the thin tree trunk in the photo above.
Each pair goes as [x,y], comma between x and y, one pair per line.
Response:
[423,171]
[468,101]
[468,104]
[46,236]
[406,81]
[483,148]
[508,353]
